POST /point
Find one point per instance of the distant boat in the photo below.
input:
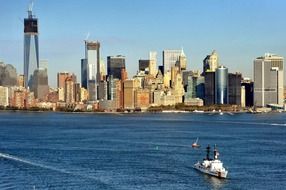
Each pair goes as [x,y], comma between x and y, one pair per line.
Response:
[195,144]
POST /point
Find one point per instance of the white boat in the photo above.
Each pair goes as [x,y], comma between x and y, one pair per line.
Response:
[195,144]
[212,167]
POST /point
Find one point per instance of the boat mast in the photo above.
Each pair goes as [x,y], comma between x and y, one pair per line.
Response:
[208,152]
[215,153]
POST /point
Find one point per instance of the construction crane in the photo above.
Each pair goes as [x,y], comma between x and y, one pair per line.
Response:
[87,36]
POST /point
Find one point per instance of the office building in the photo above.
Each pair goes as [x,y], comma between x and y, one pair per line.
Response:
[62,77]
[200,87]
[186,75]
[19,99]
[44,64]
[243,97]
[91,69]
[144,65]
[114,66]
[130,86]
[111,88]
[234,88]
[84,73]
[83,94]
[190,88]
[211,62]
[268,80]
[195,87]
[8,75]
[4,96]
[142,98]
[92,90]
[92,56]
[209,88]
[69,90]
[182,61]
[102,90]
[20,81]
[172,58]
[102,70]
[77,92]
[31,47]
[221,85]
[40,84]
[153,63]
[53,96]
[249,92]
[61,94]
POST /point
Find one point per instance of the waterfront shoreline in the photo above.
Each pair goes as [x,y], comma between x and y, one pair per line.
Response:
[143,112]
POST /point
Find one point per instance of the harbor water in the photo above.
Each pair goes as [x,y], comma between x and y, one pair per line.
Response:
[139,151]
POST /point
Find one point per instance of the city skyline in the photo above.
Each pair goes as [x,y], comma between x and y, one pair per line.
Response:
[198,27]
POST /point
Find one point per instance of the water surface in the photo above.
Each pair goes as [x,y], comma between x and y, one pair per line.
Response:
[139,151]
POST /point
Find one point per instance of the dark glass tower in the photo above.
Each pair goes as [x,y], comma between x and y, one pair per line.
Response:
[31,47]
[114,66]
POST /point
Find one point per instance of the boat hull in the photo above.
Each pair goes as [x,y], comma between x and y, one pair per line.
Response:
[219,174]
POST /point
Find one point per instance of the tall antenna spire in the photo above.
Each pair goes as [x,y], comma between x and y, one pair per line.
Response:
[30,9]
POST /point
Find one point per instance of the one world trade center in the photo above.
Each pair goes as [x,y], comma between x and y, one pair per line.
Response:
[31,47]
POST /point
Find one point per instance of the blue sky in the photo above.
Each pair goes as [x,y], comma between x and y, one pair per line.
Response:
[240,30]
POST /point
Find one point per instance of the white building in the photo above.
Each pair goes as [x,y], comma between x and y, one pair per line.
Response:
[4,96]
[211,62]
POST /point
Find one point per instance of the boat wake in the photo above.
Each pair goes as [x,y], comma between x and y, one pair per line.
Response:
[247,123]
[278,124]
[14,158]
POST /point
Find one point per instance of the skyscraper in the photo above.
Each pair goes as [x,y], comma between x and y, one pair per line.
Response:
[234,88]
[114,65]
[221,85]
[91,68]
[92,56]
[209,88]
[144,65]
[31,47]
[69,90]
[40,84]
[172,58]
[268,80]
[182,61]
[84,73]
[153,62]
[211,62]
[248,86]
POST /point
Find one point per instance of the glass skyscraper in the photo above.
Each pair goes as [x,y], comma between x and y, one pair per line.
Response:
[221,85]
[114,66]
[90,66]
[31,48]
